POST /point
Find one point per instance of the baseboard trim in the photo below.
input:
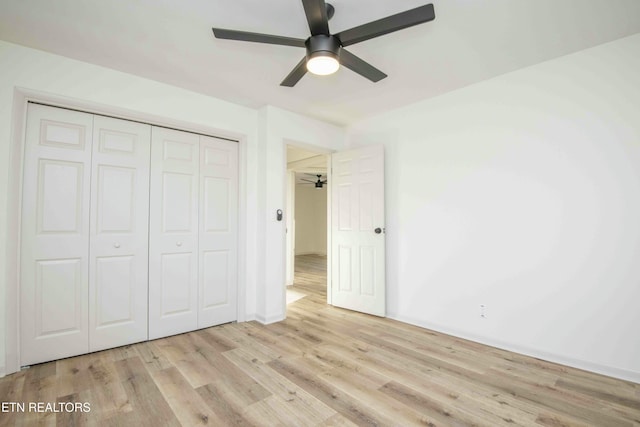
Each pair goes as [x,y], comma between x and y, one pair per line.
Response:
[270,319]
[610,371]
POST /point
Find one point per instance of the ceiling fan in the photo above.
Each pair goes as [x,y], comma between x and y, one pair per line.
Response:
[319,183]
[325,51]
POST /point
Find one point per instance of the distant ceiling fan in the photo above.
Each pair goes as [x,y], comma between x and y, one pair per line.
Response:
[325,51]
[319,183]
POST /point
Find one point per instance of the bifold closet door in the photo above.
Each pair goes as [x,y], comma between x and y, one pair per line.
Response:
[173,227]
[55,235]
[218,238]
[118,253]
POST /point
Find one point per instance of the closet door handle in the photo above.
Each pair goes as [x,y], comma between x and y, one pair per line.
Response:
[116,245]
[178,243]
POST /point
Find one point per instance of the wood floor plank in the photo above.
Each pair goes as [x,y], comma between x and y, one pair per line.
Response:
[185,402]
[555,420]
[285,345]
[350,407]
[390,408]
[230,404]
[107,391]
[299,400]
[421,378]
[121,353]
[579,406]
[40,385]
[216,341]
[600,394]
[11,391]
[456,411]
[76,418]
[337,420]
[148,403]
[152,356]
[258,413]
[242,340]
[231,380]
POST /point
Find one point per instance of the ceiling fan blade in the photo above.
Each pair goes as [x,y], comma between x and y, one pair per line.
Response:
[221,33]
[357,65]
[296,74]
[302,179]
[387,25]
[316,12]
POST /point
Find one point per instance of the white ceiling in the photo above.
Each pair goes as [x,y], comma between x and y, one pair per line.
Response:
[171,41]
[306,164]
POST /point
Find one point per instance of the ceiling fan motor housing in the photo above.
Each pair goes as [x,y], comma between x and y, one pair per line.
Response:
[323,45]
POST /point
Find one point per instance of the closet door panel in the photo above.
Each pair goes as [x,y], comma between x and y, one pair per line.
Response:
[118,282]
[173,262]
[218,231]
[176,270]
[55,234]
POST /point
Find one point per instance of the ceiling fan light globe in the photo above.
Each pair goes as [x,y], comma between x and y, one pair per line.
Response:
[323,65]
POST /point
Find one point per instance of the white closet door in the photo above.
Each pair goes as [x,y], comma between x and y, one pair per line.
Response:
[55,235]
[173,227]
[118,286]
[217,301]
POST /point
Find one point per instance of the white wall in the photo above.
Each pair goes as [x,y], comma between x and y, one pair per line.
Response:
[311,220]
[522,193]
[80,82]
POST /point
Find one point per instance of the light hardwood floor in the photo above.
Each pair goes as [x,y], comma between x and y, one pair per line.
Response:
[323,366]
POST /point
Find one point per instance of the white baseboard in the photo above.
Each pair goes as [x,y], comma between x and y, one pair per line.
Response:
[270,319]
[611,371]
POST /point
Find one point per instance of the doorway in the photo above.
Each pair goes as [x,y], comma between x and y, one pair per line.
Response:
[307,225]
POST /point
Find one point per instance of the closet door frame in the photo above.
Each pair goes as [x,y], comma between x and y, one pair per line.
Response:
[21,98]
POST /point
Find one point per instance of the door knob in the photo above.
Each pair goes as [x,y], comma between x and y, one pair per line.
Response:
[116,245]
[378,230]
[178,243]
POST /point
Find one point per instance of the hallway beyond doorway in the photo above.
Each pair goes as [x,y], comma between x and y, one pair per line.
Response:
[310,279]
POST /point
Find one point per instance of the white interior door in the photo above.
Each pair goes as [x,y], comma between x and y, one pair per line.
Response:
[218,237]
[357,230]
[173,228]
[118,253]
[55,235]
